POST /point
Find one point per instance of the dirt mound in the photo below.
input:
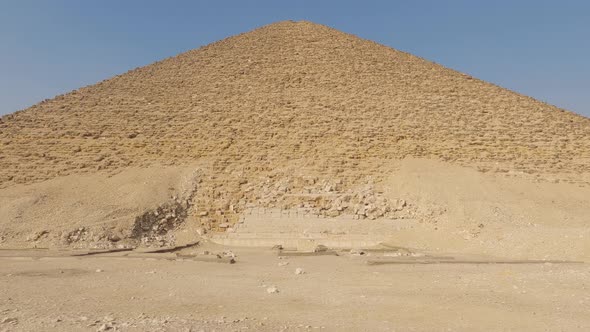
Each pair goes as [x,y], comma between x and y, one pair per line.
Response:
[137,206]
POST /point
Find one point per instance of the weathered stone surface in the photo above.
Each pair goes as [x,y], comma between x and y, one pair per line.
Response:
[293,114]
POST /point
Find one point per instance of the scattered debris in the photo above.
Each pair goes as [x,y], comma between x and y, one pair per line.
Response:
[228,253]
[79,234]
[153,227]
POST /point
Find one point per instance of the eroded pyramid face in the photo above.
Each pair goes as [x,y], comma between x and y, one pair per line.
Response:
[290,94]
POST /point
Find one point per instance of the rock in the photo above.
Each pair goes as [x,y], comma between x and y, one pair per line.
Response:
[114,238]
[104,327]
[333,213]
[201,231]
[357,252]
[272,290]
[229,253]
[299,271]
[99,270]
[37,235]
[9,320]
[399,204]
[320,248]
[283,263]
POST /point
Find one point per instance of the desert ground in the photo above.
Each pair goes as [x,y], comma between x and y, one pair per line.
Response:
[334,293]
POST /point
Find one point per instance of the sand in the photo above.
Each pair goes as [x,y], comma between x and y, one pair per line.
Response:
[336,293]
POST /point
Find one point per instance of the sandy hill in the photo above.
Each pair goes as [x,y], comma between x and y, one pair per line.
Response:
[288,110]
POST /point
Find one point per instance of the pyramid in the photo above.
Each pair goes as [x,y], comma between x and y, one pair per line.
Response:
[290,105]
[356,187]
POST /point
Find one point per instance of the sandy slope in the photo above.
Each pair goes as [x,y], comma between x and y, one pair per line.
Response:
[469,211]
[49,214]
[447,208]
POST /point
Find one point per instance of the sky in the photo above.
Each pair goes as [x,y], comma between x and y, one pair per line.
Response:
[535,47]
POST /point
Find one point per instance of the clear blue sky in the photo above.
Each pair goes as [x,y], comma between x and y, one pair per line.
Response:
[535,47]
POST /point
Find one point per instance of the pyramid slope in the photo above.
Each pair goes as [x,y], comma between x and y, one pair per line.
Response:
[291,95]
